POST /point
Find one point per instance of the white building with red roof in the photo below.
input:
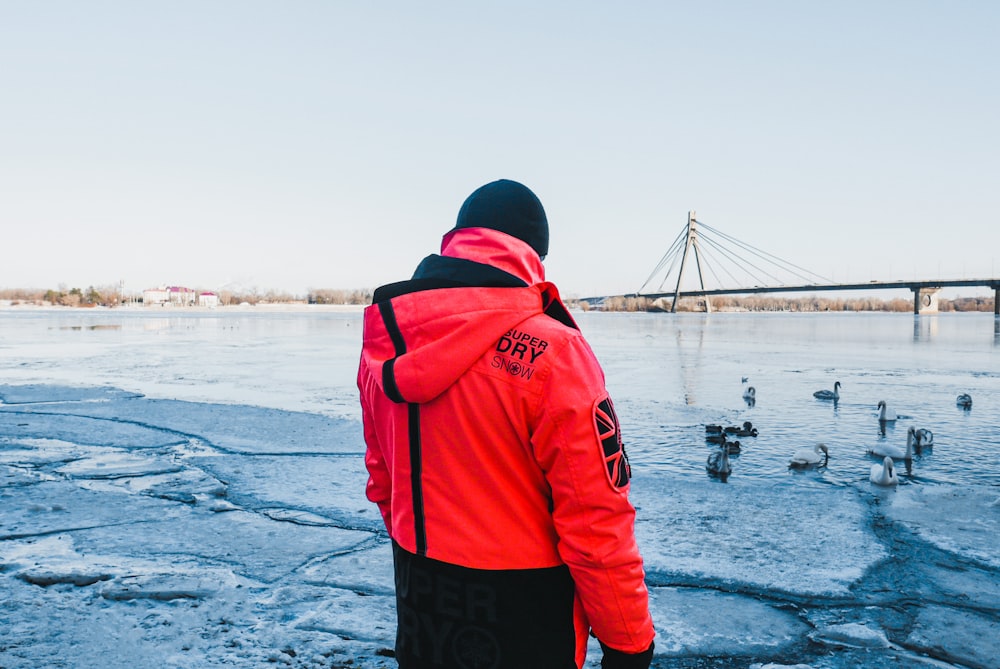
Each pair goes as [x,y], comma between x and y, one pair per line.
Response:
[169,296]
[208,299]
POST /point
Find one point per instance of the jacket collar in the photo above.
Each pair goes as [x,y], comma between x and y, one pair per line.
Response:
[492,247]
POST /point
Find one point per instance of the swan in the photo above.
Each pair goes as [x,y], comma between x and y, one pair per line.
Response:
[810,457]
[750,394]
[829,394]
[885,473]
[885,414]
[895,452]
[924,438]
[718,462]
[964,400]
[713,429]
[733,447]
[715,438]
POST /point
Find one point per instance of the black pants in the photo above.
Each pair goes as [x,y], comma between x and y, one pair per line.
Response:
[452,617]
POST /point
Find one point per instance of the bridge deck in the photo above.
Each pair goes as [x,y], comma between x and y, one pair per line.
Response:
[929,285]
[871,285]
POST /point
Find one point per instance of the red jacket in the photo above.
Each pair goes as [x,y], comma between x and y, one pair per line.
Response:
[492,441]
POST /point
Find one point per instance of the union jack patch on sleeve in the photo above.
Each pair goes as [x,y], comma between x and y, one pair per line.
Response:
[609,434]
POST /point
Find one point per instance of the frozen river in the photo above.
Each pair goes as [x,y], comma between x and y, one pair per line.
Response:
[185,489]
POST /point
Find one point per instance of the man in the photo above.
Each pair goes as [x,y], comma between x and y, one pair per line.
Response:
[494,456]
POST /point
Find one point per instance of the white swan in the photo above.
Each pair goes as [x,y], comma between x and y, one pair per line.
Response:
[964,400]
[924,438]
[829,394]
[810,457]
[885,414]
[718,462]
[885,473]
[750,394]
[895,452]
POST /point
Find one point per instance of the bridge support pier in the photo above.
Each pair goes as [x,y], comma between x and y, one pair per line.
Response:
[996,299]
[925,300]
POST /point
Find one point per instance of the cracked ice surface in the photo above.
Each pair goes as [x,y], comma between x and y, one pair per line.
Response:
[151,533]
[115,521]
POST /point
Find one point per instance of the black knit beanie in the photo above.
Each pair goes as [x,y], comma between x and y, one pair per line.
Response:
[509,207]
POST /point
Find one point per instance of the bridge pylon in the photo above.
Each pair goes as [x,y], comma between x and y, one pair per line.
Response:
[925,300]
[690,245]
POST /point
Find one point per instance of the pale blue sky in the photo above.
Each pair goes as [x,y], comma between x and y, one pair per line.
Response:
[307,144]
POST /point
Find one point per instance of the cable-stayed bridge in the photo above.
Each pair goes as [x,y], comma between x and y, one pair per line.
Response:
[701,250]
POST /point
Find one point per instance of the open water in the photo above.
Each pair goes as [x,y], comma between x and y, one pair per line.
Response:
[772,565]
[672,375]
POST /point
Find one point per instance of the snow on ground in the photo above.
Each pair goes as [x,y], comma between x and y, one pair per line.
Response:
[160,533]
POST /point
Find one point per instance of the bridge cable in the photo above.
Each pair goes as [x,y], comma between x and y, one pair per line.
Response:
[677,257]
[741,263]
[674,247]
[771,258]
[711,268]
[731,255]
[766,255]
[743,259]
[671,255]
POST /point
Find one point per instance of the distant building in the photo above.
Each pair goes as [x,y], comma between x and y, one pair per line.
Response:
[169,295]
[208,299]
[152,296]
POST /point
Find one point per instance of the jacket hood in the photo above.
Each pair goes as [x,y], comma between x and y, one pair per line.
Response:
[495,248]
[417,344]
[417,348]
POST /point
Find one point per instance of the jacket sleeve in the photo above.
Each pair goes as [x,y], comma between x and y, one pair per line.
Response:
[379,488]
[576,440]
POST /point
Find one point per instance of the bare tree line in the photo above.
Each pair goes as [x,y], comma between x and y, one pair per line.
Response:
[110,296]
[68,297]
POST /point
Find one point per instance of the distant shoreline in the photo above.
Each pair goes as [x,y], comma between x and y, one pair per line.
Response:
[8,305]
